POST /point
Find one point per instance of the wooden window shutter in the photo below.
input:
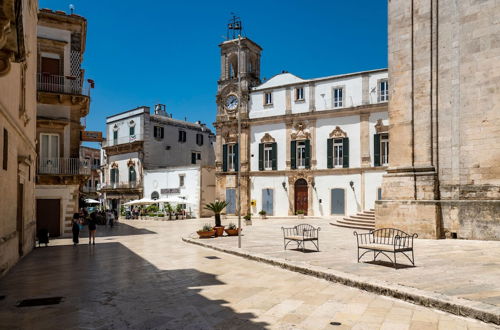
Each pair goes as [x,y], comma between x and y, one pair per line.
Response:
[293,154]
[308,153]
[345,151]
[376,150]
[224,157]
[193,158]
[236,157]
[274,153]
[329,153]
[261,156]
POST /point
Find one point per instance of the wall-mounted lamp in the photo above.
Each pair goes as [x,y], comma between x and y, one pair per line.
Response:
[284,185]
[352,185]
[313,184]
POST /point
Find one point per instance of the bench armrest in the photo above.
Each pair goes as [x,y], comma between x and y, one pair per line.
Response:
[289,231]
[311,233]
[404,241]
[365,238]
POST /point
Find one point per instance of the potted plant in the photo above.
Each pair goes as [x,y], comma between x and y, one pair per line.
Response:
[300,214]
[217,207]
[206,231]
[248,219]
[232,230]
[169,210]
[178,211]
[262,214]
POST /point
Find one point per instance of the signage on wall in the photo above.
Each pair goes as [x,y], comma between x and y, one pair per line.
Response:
[171,191]
[91,136]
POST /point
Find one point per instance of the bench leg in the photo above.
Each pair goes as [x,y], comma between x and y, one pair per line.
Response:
[374,255]
[394,260]
[412,258]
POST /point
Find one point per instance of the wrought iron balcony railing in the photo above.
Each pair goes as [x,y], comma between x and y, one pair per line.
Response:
[122,185]
[62,84]
[63,166]
[122,140]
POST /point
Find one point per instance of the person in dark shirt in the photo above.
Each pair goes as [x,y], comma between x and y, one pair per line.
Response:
[76,228]
[92,227]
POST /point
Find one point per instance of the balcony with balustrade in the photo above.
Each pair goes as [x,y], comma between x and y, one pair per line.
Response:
[62,170]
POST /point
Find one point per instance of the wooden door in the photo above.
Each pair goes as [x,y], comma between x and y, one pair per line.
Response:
[20,218]
[48,216]
[301,196]
[267,201]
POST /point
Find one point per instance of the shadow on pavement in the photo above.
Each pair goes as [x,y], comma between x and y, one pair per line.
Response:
[119,229]
[108,286]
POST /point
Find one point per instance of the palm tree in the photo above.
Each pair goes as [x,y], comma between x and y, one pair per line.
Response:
[217,207]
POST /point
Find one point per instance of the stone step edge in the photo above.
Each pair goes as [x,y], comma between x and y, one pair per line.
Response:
[458,306]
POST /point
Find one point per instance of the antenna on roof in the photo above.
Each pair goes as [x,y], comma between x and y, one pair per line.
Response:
[71,8]
[234,27]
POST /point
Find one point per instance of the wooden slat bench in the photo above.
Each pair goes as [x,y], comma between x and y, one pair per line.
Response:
[300,234]
[386,241]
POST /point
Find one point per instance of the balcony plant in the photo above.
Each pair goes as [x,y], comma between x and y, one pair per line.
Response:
[248,219]
[262,214]
[300,214]
[232,230]
[217,207]
[206,231]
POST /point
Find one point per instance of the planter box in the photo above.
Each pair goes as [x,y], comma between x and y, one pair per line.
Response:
[206,234]
[263,217]
[232,232]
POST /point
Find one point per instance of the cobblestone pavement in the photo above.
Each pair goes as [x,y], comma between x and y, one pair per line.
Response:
[140,275]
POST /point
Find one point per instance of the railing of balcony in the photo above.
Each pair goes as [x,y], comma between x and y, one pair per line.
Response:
[63,166]
[62,84]
[122,185]
[122,140]
[88,189]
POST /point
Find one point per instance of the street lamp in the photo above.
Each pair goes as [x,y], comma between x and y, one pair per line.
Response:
[238,175]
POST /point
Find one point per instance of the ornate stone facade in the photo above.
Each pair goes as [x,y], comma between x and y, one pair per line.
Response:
[444,175]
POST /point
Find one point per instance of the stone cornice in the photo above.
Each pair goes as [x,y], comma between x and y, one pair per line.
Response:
[309,172]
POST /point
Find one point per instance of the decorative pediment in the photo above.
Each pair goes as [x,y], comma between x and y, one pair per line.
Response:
[380,127]
[114,165]
[267,138]
[338,133]
[130,163]
[300,132]
[230,137]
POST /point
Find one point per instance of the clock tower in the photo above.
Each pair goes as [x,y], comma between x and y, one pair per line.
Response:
[240,71]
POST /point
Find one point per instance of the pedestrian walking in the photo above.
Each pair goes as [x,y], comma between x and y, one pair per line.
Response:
[111,218]
[76,228]
[92,222]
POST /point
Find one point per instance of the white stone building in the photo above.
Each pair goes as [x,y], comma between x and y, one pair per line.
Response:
[195,184]
[315,145]
[138,141]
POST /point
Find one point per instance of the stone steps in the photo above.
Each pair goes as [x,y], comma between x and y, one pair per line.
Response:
[361,220]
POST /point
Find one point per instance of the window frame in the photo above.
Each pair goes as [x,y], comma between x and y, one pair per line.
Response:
[384,149]
[182,178]
[338,152]
[299,94]
[182,136]
[231,157]
[383,94]
[268,98]
[336,103]
[268,157]
[300,154]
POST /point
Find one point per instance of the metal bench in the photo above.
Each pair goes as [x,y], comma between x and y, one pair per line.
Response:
[386,241]
[300,234]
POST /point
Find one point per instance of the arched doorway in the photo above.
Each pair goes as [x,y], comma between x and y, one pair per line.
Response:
[301,196]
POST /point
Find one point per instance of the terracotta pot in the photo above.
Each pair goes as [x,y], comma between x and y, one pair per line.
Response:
[205,234]
[219,231]
[232,232]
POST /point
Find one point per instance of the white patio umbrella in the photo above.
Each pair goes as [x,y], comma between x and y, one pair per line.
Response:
[91,201]
[174,200]
[142,201]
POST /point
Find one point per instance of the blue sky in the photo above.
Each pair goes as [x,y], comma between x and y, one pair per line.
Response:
[148,52]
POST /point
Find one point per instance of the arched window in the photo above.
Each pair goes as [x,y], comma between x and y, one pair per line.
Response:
[155,195]
[114,175]
[233,67]
[131,175]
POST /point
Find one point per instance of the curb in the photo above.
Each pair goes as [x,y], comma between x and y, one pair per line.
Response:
[457,306]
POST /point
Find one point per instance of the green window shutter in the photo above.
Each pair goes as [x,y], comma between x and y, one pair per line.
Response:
[376,150]
[193,158]
[293,154]
[261,156]
[329,153]
[236,157]
[345,152]
[308,153]
[274,154]
[224,157]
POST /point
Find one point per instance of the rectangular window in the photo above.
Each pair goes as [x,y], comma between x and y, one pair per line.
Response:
[132,131]
[158,132]
[199,139]
[5,158]
[181,180]
[231,156]
[96,162]
[383,91]
[384,149]
[338,152]
[299,94]
[198,155]
[96,183]
[268,98]
[268,156]
[338,97]
[301,154]
[182,136]
[115,137]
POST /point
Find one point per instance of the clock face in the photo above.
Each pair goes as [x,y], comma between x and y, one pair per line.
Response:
[231,102]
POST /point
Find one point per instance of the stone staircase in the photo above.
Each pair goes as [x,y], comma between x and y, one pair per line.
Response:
[362,220]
